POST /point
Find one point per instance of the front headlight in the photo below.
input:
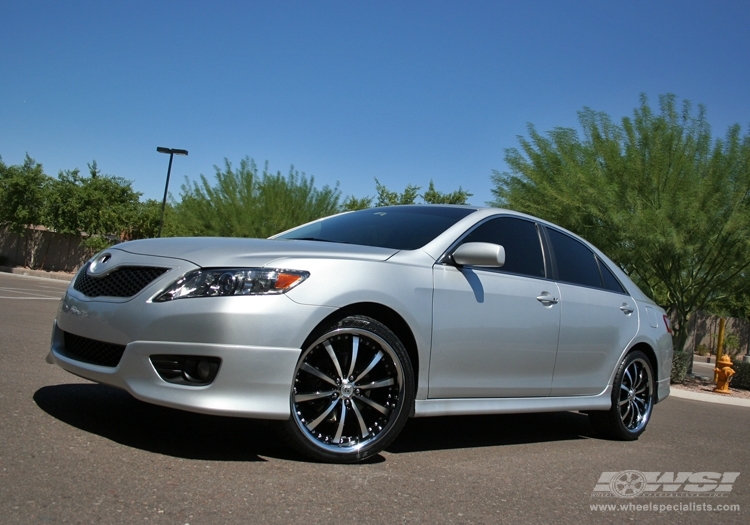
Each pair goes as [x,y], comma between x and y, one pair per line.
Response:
[219,282]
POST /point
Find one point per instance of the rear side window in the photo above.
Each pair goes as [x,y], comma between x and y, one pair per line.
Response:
[608,278]
[576,264]
[519,237]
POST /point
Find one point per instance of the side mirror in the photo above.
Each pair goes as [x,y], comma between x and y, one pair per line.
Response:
[479,254]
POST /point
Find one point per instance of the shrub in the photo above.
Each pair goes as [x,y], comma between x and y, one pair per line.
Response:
[680,365]
[732,344]
[742,378]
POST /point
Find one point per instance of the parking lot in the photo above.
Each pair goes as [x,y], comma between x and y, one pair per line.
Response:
[75,452]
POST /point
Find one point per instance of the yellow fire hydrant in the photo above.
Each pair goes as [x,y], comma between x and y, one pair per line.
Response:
[722,374]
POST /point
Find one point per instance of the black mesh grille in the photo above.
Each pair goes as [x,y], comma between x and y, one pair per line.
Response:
[91,351]
[123,282]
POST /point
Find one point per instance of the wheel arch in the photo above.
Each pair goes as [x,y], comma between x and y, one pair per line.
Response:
[628,423]
[650,354]
[381,313]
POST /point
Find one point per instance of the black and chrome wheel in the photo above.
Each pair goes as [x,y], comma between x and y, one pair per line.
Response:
[632,400]
[353,388]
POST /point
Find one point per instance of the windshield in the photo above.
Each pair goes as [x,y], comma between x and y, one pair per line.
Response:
[396,227]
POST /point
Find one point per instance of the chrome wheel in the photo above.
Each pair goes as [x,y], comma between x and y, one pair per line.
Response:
[350,389]
[632,400]
[636,395]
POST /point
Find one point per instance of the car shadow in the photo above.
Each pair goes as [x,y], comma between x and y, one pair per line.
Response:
[116,415]
[451,432]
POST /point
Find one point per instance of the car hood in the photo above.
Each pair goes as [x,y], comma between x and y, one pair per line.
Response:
[240,252]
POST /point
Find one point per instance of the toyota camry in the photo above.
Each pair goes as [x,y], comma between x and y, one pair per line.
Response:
[345,327]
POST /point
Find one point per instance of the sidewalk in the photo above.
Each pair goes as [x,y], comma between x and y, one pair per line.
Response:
[703,368]
[58,276]
[709,398]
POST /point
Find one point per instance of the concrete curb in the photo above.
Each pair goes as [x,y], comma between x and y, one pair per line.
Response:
[41,274]
[708,398]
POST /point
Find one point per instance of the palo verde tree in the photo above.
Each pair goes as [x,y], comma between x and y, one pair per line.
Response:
[352,203]
[243,202]
[388,197]
[433,196]
[656,192]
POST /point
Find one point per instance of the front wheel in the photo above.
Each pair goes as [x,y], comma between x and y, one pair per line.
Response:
[632,400]
[353,388]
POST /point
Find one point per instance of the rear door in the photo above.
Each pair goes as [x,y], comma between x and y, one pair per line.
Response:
[598,318]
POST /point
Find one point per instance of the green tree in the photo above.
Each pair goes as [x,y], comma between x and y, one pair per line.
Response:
[352,203]
[145,222]
[656,192]
[23,190]
[102,208]
[737,303]
[387,197]
[432,196]
[245,203]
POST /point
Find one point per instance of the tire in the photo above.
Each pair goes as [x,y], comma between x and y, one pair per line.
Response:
[352,393]
[632,400]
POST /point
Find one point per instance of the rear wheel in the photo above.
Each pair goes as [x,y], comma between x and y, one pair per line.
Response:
[353,388]
[632,400]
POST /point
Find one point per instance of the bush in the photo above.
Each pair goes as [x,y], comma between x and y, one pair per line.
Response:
[732,344]
[680,365]
[742,378]
[703,350]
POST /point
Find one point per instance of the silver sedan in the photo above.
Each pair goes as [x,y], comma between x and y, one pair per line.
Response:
[345,327]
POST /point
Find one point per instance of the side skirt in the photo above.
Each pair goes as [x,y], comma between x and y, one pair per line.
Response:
[455,407]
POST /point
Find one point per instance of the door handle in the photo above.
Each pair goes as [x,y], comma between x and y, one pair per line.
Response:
[546,299]
[626,309]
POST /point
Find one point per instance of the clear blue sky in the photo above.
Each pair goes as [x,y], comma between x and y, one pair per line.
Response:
[405,91]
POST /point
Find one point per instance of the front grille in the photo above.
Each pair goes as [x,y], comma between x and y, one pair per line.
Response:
[92,351]
[125,281]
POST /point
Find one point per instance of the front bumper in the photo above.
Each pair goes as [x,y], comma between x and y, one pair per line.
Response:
[253,381]
[257,338]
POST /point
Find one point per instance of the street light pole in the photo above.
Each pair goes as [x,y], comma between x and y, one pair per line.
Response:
[172,152]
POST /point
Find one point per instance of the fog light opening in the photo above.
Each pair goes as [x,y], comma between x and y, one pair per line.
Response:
[186,370]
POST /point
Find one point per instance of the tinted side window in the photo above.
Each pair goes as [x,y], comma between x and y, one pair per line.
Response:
[575,262]
[523,249]
[610,281]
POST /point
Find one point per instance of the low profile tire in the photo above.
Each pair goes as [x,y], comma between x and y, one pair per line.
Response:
[352,393]
[632,400]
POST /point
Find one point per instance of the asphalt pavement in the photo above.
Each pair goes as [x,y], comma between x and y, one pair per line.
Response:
[72,451]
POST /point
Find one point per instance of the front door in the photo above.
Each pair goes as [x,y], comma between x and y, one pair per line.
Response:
[495,330]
